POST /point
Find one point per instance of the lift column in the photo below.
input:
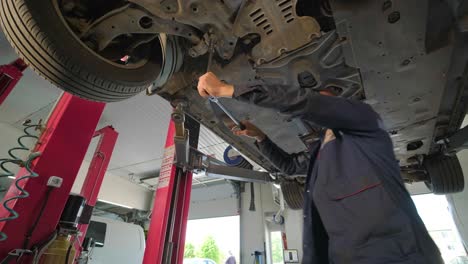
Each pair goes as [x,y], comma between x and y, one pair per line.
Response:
[62,147]
[96,172]
[9,76]
[166,236]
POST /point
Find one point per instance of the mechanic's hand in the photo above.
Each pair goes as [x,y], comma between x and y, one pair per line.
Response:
[210,85]
[250,130]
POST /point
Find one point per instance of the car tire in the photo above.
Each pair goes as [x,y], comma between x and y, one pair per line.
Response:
[445,174]
[293,194]
[44,41]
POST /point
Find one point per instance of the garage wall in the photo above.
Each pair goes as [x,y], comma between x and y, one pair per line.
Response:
[117,190]
[8,139]
[8,136]
[458,202]
[293,226]
[252,227]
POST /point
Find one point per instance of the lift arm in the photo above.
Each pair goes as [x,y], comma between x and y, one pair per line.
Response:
[458,141]
[191,159]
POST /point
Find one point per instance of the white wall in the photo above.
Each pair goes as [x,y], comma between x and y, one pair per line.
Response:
[8,139]
[293,226]
[117,190]
[458,202]
[252,225]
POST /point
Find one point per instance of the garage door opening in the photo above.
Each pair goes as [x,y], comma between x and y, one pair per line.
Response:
[276,244]
[212,240]
[434,211]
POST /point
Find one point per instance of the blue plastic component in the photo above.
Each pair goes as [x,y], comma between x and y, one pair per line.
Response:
[234,161]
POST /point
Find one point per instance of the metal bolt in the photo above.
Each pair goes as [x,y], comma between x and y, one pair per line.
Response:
[406,62]
[146,22]
[393,17]
[192,53]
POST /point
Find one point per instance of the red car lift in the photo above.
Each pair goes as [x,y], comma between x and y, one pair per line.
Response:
[10,74]
[62,147]
[166,237]
[97,170]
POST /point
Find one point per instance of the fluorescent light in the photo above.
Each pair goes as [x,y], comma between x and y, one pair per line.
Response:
[12,177]
[116,204]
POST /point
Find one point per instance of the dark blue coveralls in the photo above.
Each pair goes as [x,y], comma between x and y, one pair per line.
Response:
[356,208]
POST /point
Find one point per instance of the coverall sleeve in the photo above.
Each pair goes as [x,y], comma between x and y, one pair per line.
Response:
[327,111]
[290,164]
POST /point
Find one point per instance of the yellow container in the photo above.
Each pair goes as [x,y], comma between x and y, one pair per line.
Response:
[56,253]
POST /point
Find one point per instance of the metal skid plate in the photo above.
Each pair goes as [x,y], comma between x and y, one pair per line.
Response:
[402,81]
[280,28]
[322,59]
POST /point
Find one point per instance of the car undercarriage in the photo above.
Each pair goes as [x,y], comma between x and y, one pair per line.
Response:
[407,59]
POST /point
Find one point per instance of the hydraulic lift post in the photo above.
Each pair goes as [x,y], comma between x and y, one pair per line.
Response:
[166,236]
[10,74]
[95,176]
[62,147]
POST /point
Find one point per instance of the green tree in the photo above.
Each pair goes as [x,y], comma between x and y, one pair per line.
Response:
[210,249]
[189,251]
[276,247]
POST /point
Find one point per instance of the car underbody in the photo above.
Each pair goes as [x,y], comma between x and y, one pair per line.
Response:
[407,59]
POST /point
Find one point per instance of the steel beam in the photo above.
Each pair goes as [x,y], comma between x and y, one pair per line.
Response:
[166,236]
[237,174]
[97,170]
[63,145]
[458,141]
[9,76]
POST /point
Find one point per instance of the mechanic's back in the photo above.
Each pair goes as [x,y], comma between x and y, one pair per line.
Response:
[357,209]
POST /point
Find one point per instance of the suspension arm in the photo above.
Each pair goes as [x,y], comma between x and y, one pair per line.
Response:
[132,20]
